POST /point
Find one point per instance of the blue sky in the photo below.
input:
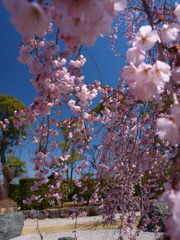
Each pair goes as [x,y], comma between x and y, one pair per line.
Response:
[15,76]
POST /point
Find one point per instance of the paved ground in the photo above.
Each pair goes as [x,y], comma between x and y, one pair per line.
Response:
[86,235]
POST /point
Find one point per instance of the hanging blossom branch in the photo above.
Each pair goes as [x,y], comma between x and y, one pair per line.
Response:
[129,148]
[168,125]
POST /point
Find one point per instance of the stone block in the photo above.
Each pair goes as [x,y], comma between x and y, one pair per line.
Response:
[33,214]
[64,213]
[11,225]
[53,213]
[42,214]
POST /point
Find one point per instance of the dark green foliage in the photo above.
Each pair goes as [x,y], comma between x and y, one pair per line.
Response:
[90,185]
[25,192]
[8,104]
[92,212]
[68,189]
[21,191]
[14,192]
[65,189]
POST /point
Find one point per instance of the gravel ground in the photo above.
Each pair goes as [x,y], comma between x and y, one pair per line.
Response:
[86,235]
[108,234]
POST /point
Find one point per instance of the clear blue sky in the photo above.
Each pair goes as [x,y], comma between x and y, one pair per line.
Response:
[15,77]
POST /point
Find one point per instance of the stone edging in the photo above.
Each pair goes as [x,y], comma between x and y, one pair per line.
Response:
[51,213]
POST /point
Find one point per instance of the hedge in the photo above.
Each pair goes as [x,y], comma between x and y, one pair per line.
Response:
[21,191]
[14,192]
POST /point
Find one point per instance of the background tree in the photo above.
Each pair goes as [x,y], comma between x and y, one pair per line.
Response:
[17,165]
[9,137]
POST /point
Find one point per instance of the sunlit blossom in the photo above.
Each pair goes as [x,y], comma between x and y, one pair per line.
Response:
[146,38]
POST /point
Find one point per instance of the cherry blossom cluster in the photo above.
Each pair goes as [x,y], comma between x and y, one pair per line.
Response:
[32,198]
[161,77]
[25,12]
[84,22]
[172,197]
[126,146]
[58,84]
[169,126]
[126,119]
[153,77]
[4,123]
[79,22]
[149,81]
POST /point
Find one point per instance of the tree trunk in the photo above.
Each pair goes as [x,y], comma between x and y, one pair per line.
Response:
[3,192]
[7,177]
[7,173]
[71,171]
[67,172]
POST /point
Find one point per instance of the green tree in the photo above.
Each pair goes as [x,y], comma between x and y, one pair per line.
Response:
[17,165]
[9,137]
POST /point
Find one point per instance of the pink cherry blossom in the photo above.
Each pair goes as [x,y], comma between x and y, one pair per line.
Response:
[145,91]
[2,124]
[28,17]
[54,144]
[124,126]
[119,5]
[172,198]
[78,183]
[161,72]
[175,110]
[78,63]
[135,56]
[84,164]
[71,103]
[6,121]
[168,130]
[146,38]
[78,170]
[83,23]
[144,87]
[169,32]
[54,133]
[176,74]
[144,73]
[177,12]
[129,73]
[58,112]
